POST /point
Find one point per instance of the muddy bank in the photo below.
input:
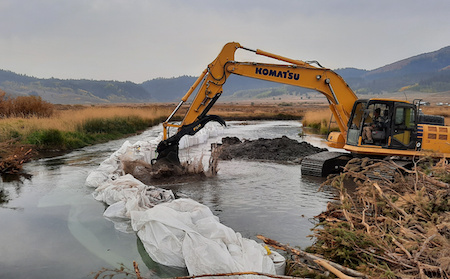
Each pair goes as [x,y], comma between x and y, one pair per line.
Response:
[281,149]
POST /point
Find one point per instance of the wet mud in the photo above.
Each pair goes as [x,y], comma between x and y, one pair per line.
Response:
[282,150]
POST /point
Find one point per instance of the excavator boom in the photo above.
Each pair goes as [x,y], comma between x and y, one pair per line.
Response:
[403,133]
[209,89]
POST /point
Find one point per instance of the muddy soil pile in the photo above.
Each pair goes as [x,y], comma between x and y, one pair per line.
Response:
[281,149]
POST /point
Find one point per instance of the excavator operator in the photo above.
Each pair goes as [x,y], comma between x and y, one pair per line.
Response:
[377,124]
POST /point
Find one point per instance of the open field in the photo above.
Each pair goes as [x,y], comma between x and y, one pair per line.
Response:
[71,118]
[74,126]
[396,229]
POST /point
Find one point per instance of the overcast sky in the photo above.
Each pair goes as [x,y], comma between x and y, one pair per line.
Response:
[138,40]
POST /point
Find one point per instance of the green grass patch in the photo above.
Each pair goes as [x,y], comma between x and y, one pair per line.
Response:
[90,132]
[116,125]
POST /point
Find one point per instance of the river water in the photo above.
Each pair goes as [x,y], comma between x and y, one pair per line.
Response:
[51,226]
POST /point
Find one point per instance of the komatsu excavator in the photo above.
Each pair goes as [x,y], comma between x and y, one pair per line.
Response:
[401,129]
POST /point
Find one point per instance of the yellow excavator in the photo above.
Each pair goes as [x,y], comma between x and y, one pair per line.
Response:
[367,127]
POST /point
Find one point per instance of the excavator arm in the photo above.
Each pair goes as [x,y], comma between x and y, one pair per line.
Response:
[292,72]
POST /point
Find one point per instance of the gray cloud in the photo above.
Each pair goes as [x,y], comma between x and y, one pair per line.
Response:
[142,39]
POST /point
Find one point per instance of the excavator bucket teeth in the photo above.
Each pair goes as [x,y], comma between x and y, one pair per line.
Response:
[168,149]
[167,154]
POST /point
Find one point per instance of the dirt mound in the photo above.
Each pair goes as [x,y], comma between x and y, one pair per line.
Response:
[281,149]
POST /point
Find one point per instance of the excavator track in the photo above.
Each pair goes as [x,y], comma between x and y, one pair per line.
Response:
[324,163]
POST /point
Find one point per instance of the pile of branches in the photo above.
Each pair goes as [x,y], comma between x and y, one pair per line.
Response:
[388,228]
[12,158]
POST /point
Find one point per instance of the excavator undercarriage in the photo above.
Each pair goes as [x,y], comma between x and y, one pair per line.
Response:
[324,163]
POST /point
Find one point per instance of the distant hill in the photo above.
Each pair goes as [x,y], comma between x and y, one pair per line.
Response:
[73,91]
[169,89]
[429,72]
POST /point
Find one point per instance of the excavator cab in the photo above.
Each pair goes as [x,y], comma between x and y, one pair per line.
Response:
[383,123]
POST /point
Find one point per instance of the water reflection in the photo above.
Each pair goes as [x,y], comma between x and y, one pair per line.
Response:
[11,185]
[15,177]
[60,231]
[158,270]
[4,197]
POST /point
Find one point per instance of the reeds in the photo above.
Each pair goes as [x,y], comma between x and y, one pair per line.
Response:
[259,111]
[76,126]
[438,110]
[318,120]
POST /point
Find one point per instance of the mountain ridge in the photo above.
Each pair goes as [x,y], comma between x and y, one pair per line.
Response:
[427,72]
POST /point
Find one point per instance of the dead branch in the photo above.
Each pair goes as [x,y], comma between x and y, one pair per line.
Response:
[136,270]
[308,256]
[395,222]
[389,201]
[402,247]
[424,245]
[435,182]
[332,269]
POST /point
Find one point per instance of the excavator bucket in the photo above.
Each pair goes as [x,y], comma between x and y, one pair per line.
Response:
[168,149]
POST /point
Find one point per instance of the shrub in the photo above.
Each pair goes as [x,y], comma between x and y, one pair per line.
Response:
[24,106]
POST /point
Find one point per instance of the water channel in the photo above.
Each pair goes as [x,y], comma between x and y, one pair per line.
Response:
[51,226]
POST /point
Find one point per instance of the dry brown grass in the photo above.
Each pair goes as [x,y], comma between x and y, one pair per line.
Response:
[259,111]
[318,119]
[68,118]
[318,114]
[438,110]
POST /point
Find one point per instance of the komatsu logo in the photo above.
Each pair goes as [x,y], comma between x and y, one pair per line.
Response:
[274,73]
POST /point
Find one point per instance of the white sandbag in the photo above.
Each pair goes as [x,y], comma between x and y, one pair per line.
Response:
[108,168]
[182,232]
[137,195]
[116,213]
[210,130]
[186,233]
[161,234]
[141,150]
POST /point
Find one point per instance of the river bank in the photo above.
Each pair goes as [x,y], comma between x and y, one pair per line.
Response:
[54,211]
[353,225]
[75,126]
